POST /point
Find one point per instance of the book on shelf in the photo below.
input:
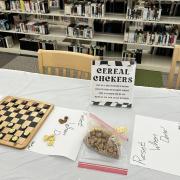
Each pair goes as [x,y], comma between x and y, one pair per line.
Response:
[32,6]
[2,5]
[150,34]
[87,9]
[6,42]
[35,44]
[145,10]
[79,31]
[23,25]
[132,53]
[87,49]
[9,41]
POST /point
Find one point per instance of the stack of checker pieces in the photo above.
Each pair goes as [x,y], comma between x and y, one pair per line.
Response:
[20,119]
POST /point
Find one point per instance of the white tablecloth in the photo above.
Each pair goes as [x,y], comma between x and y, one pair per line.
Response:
[74,93]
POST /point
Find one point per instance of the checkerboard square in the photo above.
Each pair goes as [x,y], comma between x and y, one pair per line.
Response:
[20,121]
[16,126]
[13,114]
[18,133]
[34,114]
[24,117]
[14,120]
[36,119]
[2,112]
[30,118]
[18,115]
[33,124]
[22,111]
[8,119]
[7,113]
[5,123]
[5,130]
[7,137]
[32,108]
[21,140]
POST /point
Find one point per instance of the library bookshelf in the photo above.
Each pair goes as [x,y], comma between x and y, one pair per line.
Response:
[150,61]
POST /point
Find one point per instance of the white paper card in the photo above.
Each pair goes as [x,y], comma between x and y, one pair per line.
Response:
[68,136]
[156,144]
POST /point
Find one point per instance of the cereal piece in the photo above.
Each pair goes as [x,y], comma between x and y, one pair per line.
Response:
[14,100]
[35,104]
[50,143]
[45,138]
[121,130]
[51,138]
[10,125]
[16,105]
[14,138]
[23,127]
[11,131]
[41,113]
[5,103]
[28,112]
[6,107]
[1,127]
[1,135]
[38,109]
[46,106]
[62,121]
[17,110]
[26,107]
[26,133]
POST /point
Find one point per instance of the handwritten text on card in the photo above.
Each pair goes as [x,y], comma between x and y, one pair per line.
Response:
[156,144]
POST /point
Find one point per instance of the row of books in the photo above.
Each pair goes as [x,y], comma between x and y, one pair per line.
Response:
[87,9]
[35,44]
[32,27]
[151,38]
[79,31]
[133,53]
[111,47]
[144,14]
[168,8]
[87,49]
[40,6]
[6,42]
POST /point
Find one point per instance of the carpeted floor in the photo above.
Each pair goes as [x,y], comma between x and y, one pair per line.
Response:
[24,63]
[5,58]
[149,78]
[28,63]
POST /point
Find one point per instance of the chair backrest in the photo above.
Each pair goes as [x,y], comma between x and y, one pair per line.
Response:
[175,59]
[64,63]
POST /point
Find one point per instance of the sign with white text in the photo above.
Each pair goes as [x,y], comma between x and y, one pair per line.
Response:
[112,82]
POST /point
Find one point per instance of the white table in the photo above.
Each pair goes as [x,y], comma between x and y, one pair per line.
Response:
[74,93]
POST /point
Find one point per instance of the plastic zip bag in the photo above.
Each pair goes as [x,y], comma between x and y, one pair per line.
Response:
[104,139]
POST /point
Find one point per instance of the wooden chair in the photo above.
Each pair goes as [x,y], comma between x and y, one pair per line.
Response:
[64,63]
[175,59]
